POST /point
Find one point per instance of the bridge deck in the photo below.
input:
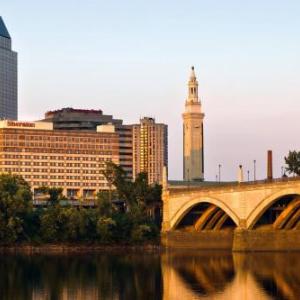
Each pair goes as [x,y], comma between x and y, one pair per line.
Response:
[185,186]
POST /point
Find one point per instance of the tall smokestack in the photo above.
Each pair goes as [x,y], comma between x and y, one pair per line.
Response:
[270,166]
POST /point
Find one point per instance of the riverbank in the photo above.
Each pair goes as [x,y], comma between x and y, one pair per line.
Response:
[80,249]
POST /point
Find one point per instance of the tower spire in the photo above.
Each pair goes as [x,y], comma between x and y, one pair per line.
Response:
[193,75]
[193,88]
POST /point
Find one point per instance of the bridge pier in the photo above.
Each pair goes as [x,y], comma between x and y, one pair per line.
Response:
[266,240]
[242,224]
[198,240]
[165,226]
[238,240]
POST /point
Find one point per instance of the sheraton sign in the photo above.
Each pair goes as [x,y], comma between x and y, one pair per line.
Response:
[20,124]
[26,125]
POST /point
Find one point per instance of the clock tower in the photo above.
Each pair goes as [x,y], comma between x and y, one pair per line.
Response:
[193,154]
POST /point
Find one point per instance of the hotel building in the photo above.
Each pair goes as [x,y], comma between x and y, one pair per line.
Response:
[70,119]
[150,149]
[45,156]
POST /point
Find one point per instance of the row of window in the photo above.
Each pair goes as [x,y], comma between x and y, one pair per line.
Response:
[52,164]
[64,177]
[62,184]
[44,157]
[60,146]
[57,139]
[52,171]
[57,151]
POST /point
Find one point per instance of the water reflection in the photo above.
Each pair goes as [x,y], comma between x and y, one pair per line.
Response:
[196,275]
[226,276]
[80,277]
[277,273]
[170,276]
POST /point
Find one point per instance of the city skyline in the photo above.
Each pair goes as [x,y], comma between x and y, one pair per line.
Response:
[246,59]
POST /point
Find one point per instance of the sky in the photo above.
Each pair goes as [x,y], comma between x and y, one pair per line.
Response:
[133,58]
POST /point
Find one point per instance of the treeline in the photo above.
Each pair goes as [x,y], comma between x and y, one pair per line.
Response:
[124,214]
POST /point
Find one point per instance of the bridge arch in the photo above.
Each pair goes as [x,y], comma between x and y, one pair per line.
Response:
[266,203]
[184,209]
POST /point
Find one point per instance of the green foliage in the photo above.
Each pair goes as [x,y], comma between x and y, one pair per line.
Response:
[55,223]
[140,233]
[55,195]
[15,206]
[105,206]
[117,177]
[293,162]
[137,193]
[105,229]
[49,225]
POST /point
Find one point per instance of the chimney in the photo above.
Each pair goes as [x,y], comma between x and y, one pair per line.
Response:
[270,166]
[240,174]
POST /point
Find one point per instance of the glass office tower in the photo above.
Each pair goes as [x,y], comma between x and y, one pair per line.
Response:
[8,76]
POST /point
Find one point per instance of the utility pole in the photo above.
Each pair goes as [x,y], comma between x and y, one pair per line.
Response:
[254,170]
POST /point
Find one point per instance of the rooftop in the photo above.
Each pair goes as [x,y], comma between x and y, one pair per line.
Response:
[73,110]
[3,29]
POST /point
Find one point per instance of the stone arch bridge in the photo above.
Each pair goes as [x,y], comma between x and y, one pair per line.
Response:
[264,207]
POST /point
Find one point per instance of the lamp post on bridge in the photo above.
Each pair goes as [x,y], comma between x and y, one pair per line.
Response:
[282,171]
[254,170]
[220,172]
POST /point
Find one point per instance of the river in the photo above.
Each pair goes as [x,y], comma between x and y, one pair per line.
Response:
[172,275]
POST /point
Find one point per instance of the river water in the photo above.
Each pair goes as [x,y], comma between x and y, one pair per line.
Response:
[173,275]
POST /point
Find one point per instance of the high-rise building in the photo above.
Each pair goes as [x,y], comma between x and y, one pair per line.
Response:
[87,120]
[150,149]
[8,76]
[193,147]
[44,156]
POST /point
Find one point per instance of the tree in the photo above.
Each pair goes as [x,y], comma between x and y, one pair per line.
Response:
[293,162]
[105,228]
[135,194]
[15,207]
[104,203]
[116,176]
[148,196]
[55,194]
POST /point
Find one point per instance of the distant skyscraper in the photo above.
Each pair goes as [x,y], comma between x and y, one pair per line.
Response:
[8,76]
[150,149]
[193,155]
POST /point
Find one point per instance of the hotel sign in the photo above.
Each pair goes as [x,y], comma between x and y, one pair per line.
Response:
[20,124]
[26,125]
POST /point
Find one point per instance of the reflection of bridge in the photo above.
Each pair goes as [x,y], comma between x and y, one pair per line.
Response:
[220,275]
[262,205]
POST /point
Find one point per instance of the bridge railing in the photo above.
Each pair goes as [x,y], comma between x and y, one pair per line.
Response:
[186,185]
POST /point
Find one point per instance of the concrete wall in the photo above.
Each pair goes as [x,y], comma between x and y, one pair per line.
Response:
[268,240]
[237,240]
[202,240]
